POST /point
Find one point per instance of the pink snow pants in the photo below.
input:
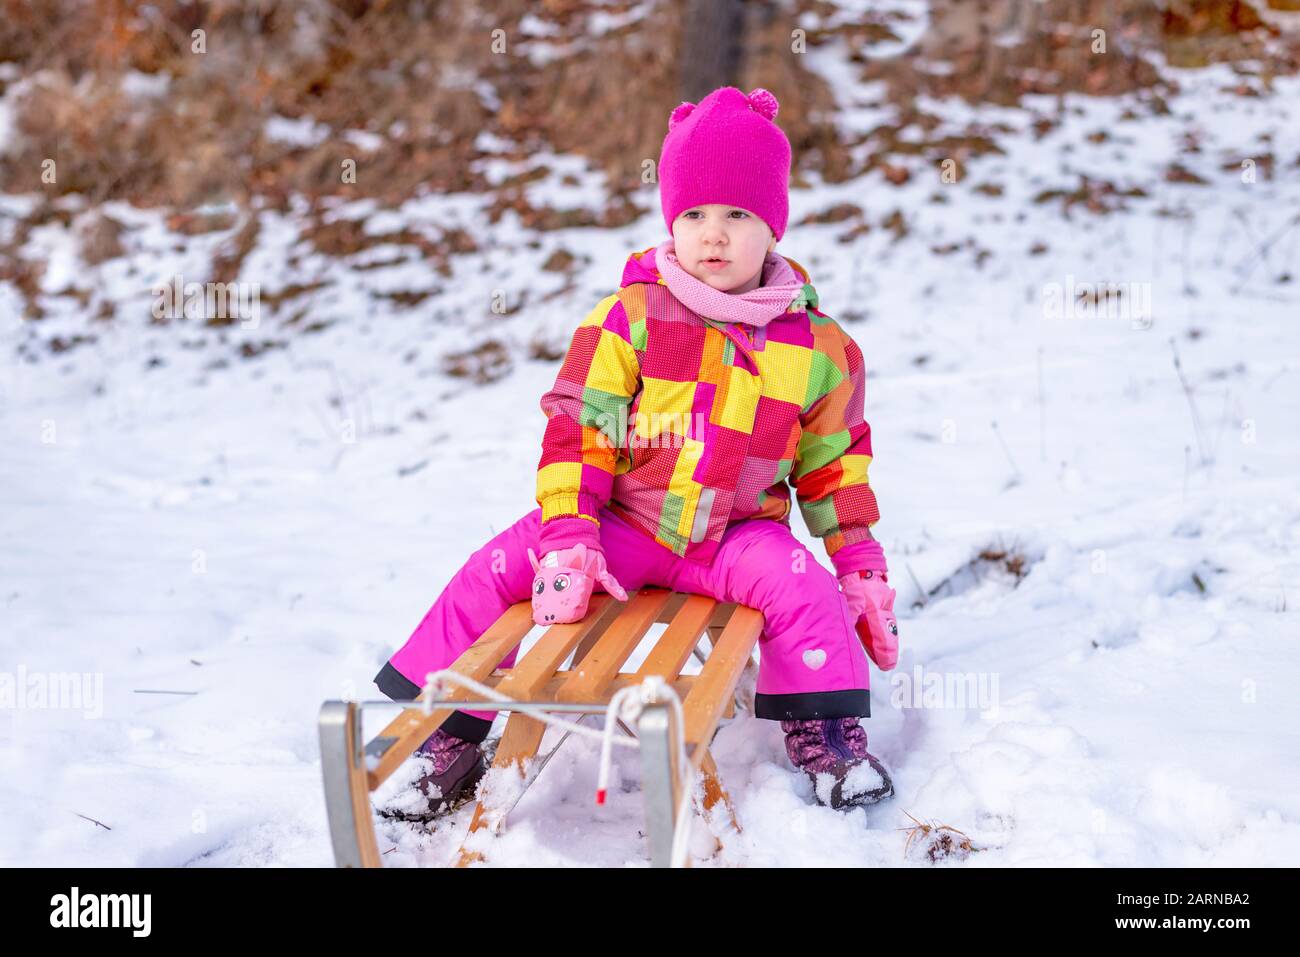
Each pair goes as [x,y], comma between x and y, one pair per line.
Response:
[811,663]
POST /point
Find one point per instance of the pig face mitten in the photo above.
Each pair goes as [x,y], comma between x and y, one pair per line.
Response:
[872,601]
[564,580]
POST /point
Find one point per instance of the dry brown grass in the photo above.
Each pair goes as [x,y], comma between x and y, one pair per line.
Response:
[487,362]
[937,842]
[420,79]
[410,73]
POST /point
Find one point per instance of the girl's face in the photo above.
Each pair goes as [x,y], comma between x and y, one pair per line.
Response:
[723,246]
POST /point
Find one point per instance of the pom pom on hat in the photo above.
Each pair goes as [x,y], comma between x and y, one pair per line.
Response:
[680,113]
[763,103]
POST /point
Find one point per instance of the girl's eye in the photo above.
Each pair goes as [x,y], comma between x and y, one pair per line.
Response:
[739,212]
[539,586]
[561,582]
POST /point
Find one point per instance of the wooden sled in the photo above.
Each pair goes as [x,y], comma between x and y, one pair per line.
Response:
[600,644]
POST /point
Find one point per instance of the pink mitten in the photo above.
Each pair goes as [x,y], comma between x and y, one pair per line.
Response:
[564,581]
[872,601]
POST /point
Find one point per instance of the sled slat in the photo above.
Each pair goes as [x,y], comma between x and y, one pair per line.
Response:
[592,676]
[539,665]
[703,707]
[678,640]
[682,685]
[670,608]
[722,614]
[412,727]
[499,640]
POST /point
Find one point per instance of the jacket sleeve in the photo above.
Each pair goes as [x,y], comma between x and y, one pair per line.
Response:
[586,426]
[829,475]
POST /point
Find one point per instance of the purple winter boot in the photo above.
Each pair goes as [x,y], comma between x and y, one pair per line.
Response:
[833,753]
[457,767]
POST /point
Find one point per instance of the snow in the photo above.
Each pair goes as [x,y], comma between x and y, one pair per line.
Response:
[224,549]
[296,132]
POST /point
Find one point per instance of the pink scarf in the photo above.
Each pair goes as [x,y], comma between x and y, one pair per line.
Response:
[778,287]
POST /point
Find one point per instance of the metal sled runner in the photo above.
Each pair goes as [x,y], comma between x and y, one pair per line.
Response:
[599,644]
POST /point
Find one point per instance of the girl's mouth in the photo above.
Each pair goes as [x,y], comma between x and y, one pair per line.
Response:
[715,264]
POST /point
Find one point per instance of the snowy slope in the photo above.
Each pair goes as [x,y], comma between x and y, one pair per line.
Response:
[215,534]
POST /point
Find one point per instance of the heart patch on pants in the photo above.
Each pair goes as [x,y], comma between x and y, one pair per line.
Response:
[814,658]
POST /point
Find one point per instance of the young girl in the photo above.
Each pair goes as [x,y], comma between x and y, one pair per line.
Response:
[686,402]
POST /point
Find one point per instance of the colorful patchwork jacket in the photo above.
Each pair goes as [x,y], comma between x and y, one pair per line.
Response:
[682,425]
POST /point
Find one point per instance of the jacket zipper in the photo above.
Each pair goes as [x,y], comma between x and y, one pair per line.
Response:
[739,342]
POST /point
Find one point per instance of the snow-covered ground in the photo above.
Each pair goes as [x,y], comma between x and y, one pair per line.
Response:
[255,539]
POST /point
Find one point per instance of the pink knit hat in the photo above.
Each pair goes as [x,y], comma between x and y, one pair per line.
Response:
[727,149]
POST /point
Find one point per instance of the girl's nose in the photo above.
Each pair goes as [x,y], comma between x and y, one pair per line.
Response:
[714,232]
